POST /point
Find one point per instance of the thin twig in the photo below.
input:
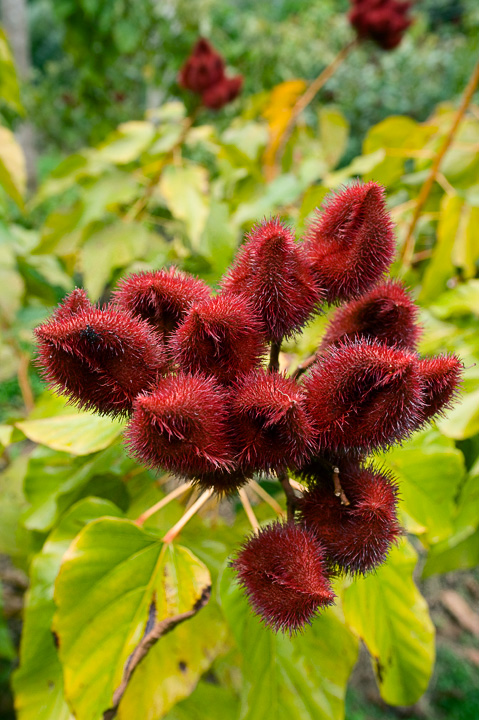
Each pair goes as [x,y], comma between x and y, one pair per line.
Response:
[303,366]
[161,503]
[24,382]
[248,509]
[261,492]
[408,248]
[297,486]
[338,490]
[274,356]
[176,529]
[309,95]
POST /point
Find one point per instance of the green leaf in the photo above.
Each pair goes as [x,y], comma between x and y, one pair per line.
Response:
[465,252]
[453,554]
[440,267]
[79,434]
[221,704]
[54,481]
[38,682]
[334,131]
[430,470]
[312,199]
[301,677]
[390,615]
[127,142]
[185,190]
[13,175]
[9,89]
[131,586]
[108,249]
[461,300]
[12,505]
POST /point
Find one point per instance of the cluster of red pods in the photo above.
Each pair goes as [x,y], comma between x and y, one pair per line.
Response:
[196,373]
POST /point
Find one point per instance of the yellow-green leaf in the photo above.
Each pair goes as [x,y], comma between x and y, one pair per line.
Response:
[391,616]
[79,434]
[13,175]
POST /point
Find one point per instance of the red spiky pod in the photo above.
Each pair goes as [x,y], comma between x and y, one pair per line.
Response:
[73,303]
[224,482]
[272,272]
[220,336]
[223,92]
[163,298]
[355,537]
[364,395]
[100,358]
[181,426]
[204,68]
[382,21]
[441,378]
[272,428]
[350,244]
[386,313]
[283,572]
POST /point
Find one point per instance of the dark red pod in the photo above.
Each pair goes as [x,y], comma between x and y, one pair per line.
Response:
[204,68]
[350,245]
[386,313]
[271,271]
[441,377]
[382,21]
[181,426]
[283,572]
[163,298]
[355,537]
[72,304]
[363,395]
[272,428]
[221,93]
[221,336]
[100,358]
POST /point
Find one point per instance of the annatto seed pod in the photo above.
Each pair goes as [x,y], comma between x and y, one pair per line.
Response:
[222,93]
[386,313]
[350,245]
[357,537]
[101,359]
[221,336]
[73,303]
[441,377]
[272,428]
[182,426]
[363,395]
[283,572]
[204,68]
[382,21]
[272,273]
[163,298]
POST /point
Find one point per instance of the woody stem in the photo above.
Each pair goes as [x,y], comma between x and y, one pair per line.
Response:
[274,356]
[310,93]
[408,248]
[176,529]
[338,490]
[177,492]
[248,509]
[291,499]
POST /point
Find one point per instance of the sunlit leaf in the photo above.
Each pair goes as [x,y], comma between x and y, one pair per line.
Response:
[278,113]
[38,682]
[391,617]
[13,175]
[185,191]
[79,434]
[131,585]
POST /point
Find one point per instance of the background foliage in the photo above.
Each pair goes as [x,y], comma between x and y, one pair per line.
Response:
[135,199]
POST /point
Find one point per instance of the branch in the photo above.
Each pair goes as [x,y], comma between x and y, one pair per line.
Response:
[303,366]
[274,357]
[338,490]
[310,94]
[408,248]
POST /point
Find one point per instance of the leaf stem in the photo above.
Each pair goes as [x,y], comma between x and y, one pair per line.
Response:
[177,492]
[248,509]
[261,492]
[176,529]
[408,247]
